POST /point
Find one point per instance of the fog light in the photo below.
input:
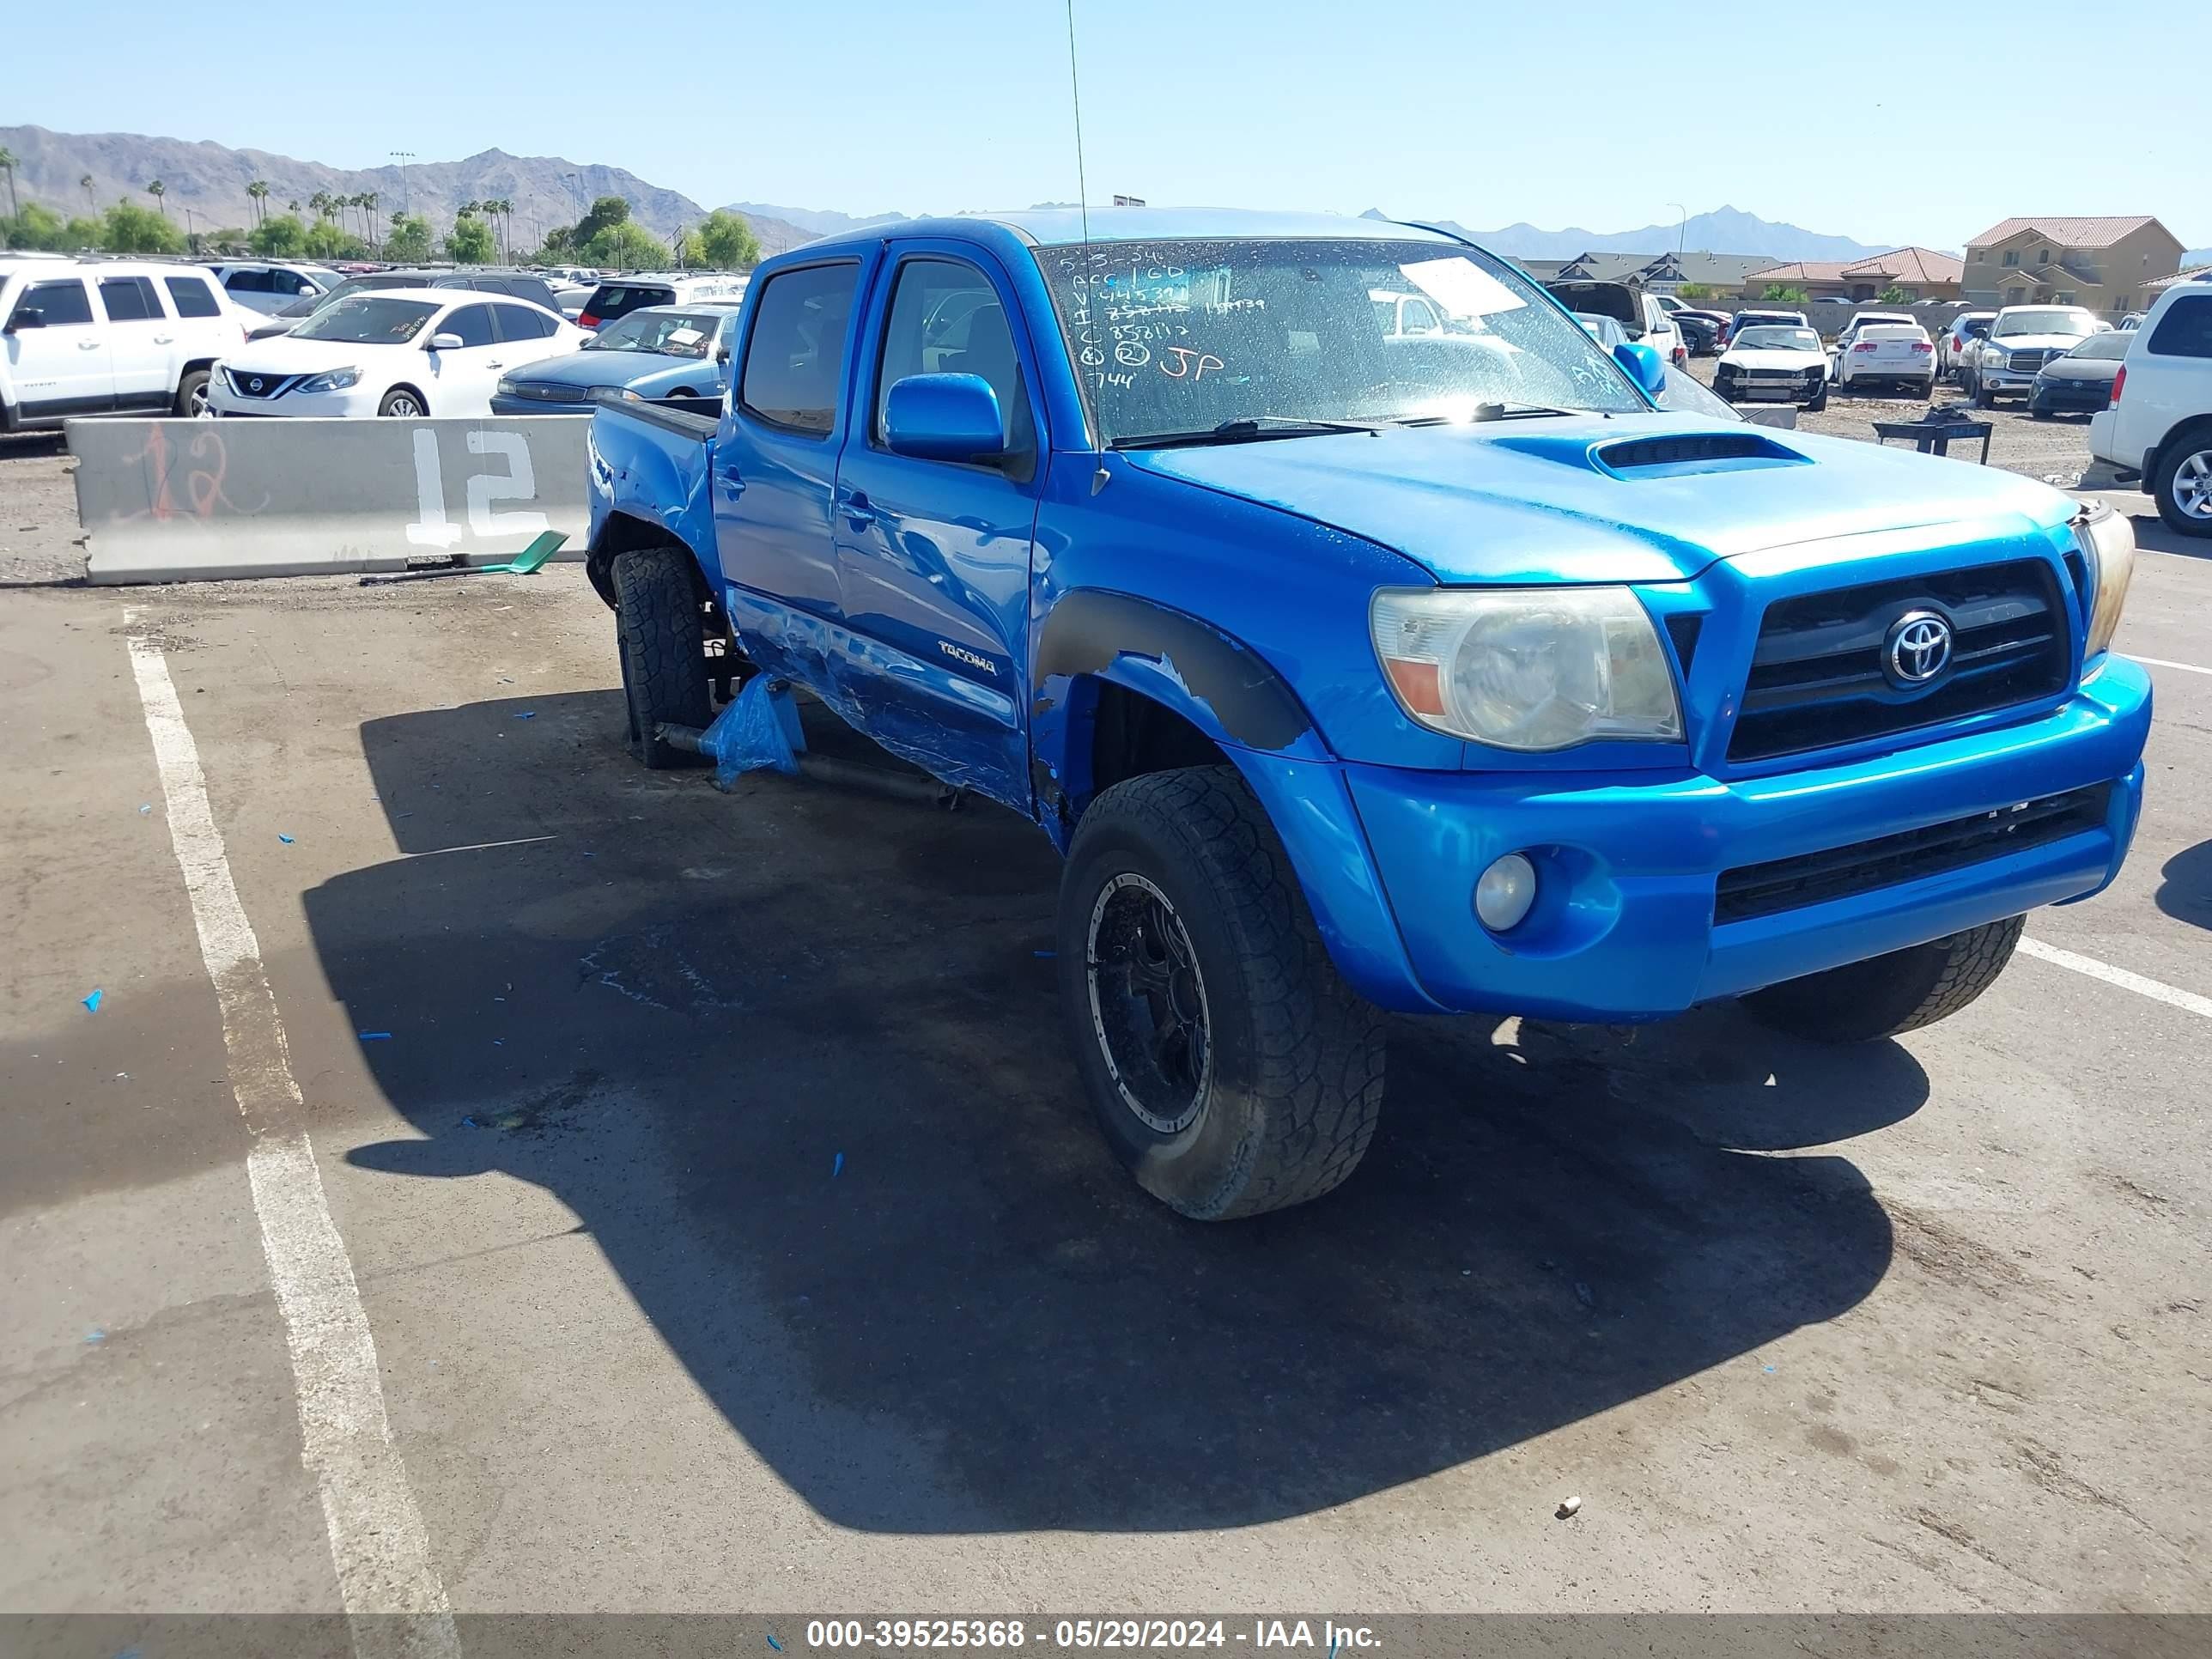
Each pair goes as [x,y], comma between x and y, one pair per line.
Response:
[1504,892]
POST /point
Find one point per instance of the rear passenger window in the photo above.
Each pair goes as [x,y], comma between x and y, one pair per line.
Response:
[250,281]
[472,323]
[59,305]
[191,297]
[520,323]
[2185,331]
[129,300]
[795,359]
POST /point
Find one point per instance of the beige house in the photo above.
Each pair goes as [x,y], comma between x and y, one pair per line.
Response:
[2103,264]
[1919,274]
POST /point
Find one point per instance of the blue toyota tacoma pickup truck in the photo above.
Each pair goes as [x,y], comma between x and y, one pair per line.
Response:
[1358,664]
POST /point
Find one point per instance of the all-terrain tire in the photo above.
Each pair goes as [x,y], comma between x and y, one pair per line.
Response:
[1289,1102]
[660,633]
[1887,995]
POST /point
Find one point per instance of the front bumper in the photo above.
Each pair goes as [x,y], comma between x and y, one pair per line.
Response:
[2081,396]
[352,403]
[1629,864]
[2007,379]
[504,404]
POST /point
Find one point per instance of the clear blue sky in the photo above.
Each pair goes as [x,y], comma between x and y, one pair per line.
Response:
[1593,114]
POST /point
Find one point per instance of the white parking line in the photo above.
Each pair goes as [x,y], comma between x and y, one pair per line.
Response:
[2172,996]
[377,1540]
[2160,662]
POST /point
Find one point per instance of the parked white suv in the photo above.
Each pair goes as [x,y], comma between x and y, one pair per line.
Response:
[99,336]
[2158,428]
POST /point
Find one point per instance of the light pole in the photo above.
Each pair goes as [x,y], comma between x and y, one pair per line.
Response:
[406,196]
[1682,228]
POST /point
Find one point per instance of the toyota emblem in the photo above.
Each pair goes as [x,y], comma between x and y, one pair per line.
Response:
[1918,648]
[254,385]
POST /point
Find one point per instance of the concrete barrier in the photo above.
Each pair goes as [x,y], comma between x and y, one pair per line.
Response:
[202,501]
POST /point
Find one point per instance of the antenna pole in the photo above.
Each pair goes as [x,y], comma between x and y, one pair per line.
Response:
[1075,89]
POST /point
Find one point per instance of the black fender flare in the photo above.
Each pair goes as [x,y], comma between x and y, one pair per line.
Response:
[1229,690]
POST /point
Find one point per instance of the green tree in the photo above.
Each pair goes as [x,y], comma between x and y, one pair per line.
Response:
[327,240]
[8,166]
[131,228]
[1892,295]
[258,191]
[626,247]
[82,232]
[1784,292]
[34,227]
[85,184]
[159,192]
[1694,291]
[368,213]
[722,241]
[470,243]
[606,211]
[231,239]
[282,237]
[411,239]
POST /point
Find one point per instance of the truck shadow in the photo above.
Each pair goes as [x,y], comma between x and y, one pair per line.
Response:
[794,1059]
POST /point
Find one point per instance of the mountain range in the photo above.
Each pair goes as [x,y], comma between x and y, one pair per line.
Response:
[1727,230]
[208,181]
[204,184]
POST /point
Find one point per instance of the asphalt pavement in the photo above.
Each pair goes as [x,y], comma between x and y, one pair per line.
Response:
[724,1231]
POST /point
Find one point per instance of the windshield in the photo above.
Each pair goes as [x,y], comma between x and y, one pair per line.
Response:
[669,333]
[2112,347]
[1771,338]
[308,304]
[2045,322]
[366,319]
[1177,338]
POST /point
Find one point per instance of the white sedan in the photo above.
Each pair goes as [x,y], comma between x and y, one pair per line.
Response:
[407,352]
[1774,363]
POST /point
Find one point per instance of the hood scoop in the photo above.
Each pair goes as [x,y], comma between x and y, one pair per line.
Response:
[1681,454]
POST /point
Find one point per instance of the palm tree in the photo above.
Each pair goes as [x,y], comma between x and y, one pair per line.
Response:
[258,190]
[368,215]
[292,206]
[85,184]
[320,201]
[157,189]
[8,166]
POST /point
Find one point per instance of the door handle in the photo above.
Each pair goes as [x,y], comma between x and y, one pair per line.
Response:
[732,481]
[494,364]
[163,339]
[87,345]
[857,512]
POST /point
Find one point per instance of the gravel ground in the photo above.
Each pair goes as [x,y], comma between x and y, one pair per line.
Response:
[2056,451]
[37,511]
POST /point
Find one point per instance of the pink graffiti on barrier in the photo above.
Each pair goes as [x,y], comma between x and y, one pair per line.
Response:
[206,462]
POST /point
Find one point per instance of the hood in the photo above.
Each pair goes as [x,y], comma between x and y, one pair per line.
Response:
[1525,502]
[288,355]
[590,369]
[2036,341]
[2083,369]
[1773,357]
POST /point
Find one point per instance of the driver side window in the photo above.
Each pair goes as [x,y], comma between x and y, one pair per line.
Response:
[947,318]
[472,323]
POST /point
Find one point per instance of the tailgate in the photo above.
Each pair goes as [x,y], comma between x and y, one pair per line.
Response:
[1902,356]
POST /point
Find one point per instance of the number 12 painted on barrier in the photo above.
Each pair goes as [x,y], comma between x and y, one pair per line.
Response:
[433,529]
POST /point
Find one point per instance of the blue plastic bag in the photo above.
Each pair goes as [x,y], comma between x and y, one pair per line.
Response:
[758,731]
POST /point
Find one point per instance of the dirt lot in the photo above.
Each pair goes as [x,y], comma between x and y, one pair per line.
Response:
[731,1237]
[2055,450]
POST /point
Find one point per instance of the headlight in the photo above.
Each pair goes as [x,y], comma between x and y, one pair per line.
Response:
[2107,539]
[336,379]
[1530,668]
[629,397]
[506,387]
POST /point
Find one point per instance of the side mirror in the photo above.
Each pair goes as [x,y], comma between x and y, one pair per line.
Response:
[445,343]
[944,417]
[26,317]
[1645,367]
[721,354]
